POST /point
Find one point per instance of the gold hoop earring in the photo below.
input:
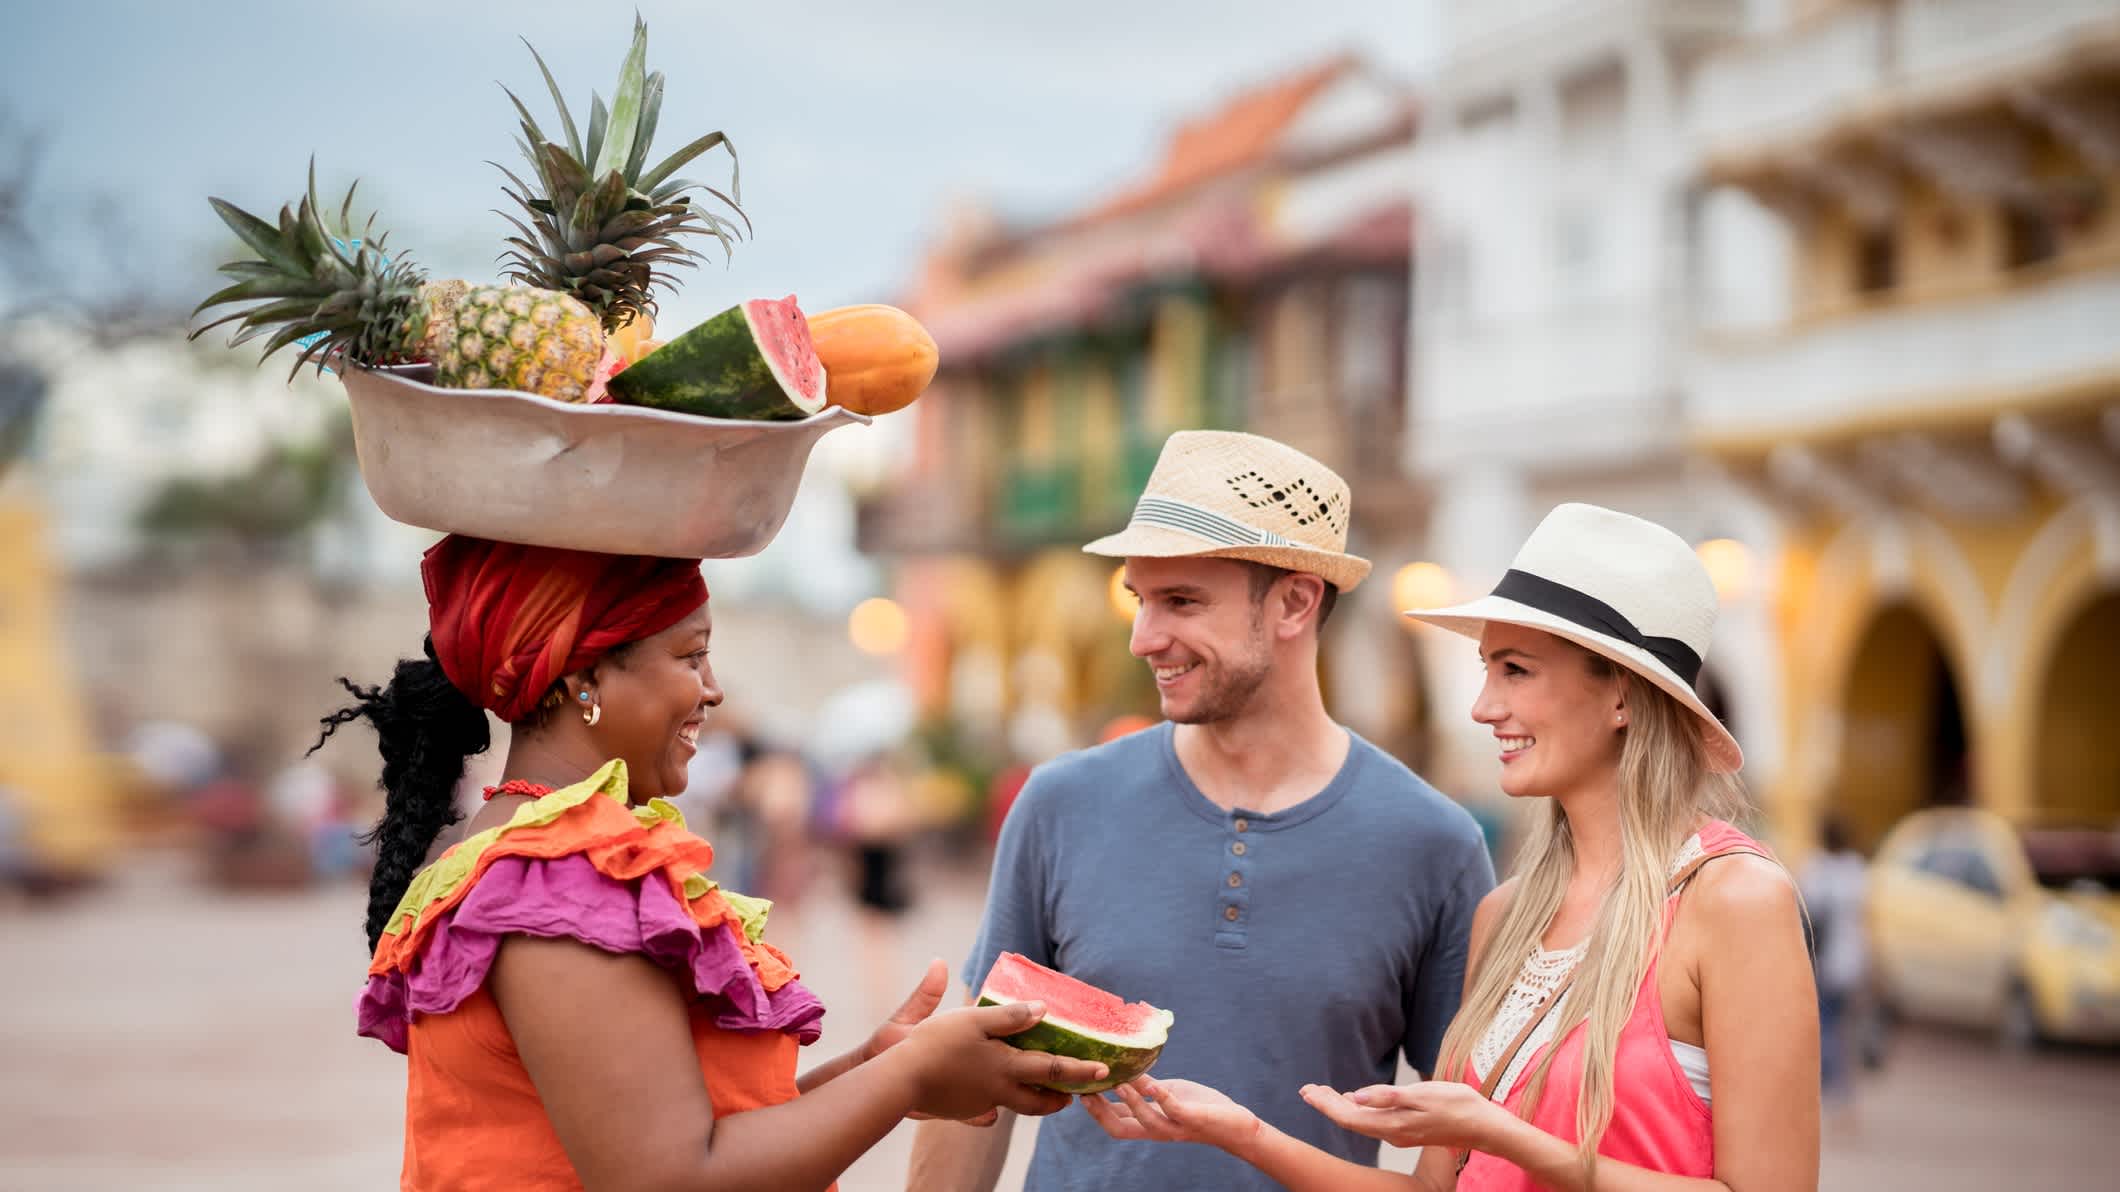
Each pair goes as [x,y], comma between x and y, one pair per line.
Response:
[593,713]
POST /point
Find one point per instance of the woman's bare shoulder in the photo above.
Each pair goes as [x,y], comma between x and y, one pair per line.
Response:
[1742,891]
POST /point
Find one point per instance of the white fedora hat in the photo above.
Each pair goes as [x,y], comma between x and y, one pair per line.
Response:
[1228,495]
[1620,586]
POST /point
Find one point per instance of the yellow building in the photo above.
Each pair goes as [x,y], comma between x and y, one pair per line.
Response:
[1934,409]
[65,792]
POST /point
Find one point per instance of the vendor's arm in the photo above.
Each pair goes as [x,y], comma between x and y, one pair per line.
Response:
[614,1065]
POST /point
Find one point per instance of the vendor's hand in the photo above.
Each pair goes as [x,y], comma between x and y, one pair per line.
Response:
[923,1001]
[1432,1113]
[963,1069]
[1174,1111]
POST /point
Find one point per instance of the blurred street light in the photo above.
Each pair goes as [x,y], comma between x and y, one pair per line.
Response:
[1422,585]
[1729,564]
[877,626]
[1123,601]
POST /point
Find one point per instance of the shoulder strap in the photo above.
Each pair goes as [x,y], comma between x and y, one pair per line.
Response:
[1679,879]
[1508,1056]
[1678,882]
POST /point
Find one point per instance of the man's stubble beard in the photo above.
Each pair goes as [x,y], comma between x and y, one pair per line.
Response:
[1231,694]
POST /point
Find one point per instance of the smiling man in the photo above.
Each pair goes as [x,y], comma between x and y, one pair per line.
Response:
[1295,896]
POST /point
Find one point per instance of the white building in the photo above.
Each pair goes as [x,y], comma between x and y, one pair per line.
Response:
[1550,314]
[1927,393]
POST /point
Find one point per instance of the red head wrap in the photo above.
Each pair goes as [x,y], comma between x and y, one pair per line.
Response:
[509,620]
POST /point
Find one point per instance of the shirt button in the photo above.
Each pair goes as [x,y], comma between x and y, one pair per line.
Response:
[1237,848]
[1236,879]
[1243,825]
[1229,913]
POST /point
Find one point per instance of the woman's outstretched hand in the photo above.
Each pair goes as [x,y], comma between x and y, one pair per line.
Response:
[1432,1113]
[1174,1111]
[963,1069]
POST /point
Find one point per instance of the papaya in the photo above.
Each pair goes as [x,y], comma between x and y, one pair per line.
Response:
[627,340]
[876,358]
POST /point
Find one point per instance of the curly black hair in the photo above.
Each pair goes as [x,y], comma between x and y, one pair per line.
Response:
[426,729]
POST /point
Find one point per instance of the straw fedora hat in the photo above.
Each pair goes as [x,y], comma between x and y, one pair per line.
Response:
[1227,495]
[1615,584]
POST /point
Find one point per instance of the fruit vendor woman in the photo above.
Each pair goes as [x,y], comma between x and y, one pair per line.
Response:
[1298,899]
[578,1001]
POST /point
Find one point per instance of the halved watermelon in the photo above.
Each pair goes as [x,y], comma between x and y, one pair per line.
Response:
[1080,1020]
[752,361]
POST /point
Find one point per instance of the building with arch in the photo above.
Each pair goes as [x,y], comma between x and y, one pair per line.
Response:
[1906,229]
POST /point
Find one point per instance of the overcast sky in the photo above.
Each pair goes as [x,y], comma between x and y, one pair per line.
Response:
[856,122]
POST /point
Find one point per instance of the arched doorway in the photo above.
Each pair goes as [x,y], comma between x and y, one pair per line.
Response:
[1903,743]
[2076,769]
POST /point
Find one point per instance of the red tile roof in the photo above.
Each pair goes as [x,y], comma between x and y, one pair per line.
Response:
[1243,132]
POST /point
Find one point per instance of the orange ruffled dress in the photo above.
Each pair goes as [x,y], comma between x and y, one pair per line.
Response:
[577,864]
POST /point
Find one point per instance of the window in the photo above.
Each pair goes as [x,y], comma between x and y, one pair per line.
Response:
[2029,234]
[1963,865]
[1876,260]
[1372,336]
[1449,271]
[1575,245]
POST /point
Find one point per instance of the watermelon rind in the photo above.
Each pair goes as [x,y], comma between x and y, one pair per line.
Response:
[717,370]
[1126,1056]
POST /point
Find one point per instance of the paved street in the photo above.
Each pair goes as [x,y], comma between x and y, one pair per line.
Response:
[161,1037]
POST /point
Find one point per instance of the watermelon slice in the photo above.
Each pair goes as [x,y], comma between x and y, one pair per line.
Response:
[753,361]
[1081,1021]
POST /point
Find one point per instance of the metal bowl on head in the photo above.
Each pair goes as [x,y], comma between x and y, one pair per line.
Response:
[515,467]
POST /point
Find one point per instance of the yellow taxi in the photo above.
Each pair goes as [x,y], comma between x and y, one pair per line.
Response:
[1976,921]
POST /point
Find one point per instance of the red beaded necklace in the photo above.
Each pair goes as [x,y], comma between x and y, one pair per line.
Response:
[516,786]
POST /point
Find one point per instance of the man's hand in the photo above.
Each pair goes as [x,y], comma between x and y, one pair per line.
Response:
[1174,1111]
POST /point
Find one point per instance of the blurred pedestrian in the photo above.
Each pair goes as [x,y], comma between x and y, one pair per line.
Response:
[779,791]
[876,817]
[876,813]
[1835,884]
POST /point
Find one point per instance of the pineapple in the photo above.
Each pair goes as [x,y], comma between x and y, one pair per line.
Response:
[347,301]
[603,225]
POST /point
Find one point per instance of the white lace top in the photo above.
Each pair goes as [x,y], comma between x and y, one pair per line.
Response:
[1543,971]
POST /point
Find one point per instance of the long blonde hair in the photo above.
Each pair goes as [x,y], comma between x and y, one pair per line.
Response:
[1665,787]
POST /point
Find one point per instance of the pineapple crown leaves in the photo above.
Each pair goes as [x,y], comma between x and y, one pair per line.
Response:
[313,278]
[602,224]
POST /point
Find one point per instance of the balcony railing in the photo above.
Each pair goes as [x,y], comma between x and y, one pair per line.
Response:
[1793,83]
[2049,332]
[1040,505]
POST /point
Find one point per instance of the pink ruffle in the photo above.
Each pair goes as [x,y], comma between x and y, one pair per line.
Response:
[567,898]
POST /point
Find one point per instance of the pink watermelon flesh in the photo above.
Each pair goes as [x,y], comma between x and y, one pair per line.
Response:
[783,335]
[1077,1003]
[1081,1021]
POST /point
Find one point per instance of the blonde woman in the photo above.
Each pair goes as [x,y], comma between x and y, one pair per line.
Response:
[1639,1013]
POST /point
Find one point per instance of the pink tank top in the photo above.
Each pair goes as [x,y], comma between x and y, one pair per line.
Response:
[1658,1121]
